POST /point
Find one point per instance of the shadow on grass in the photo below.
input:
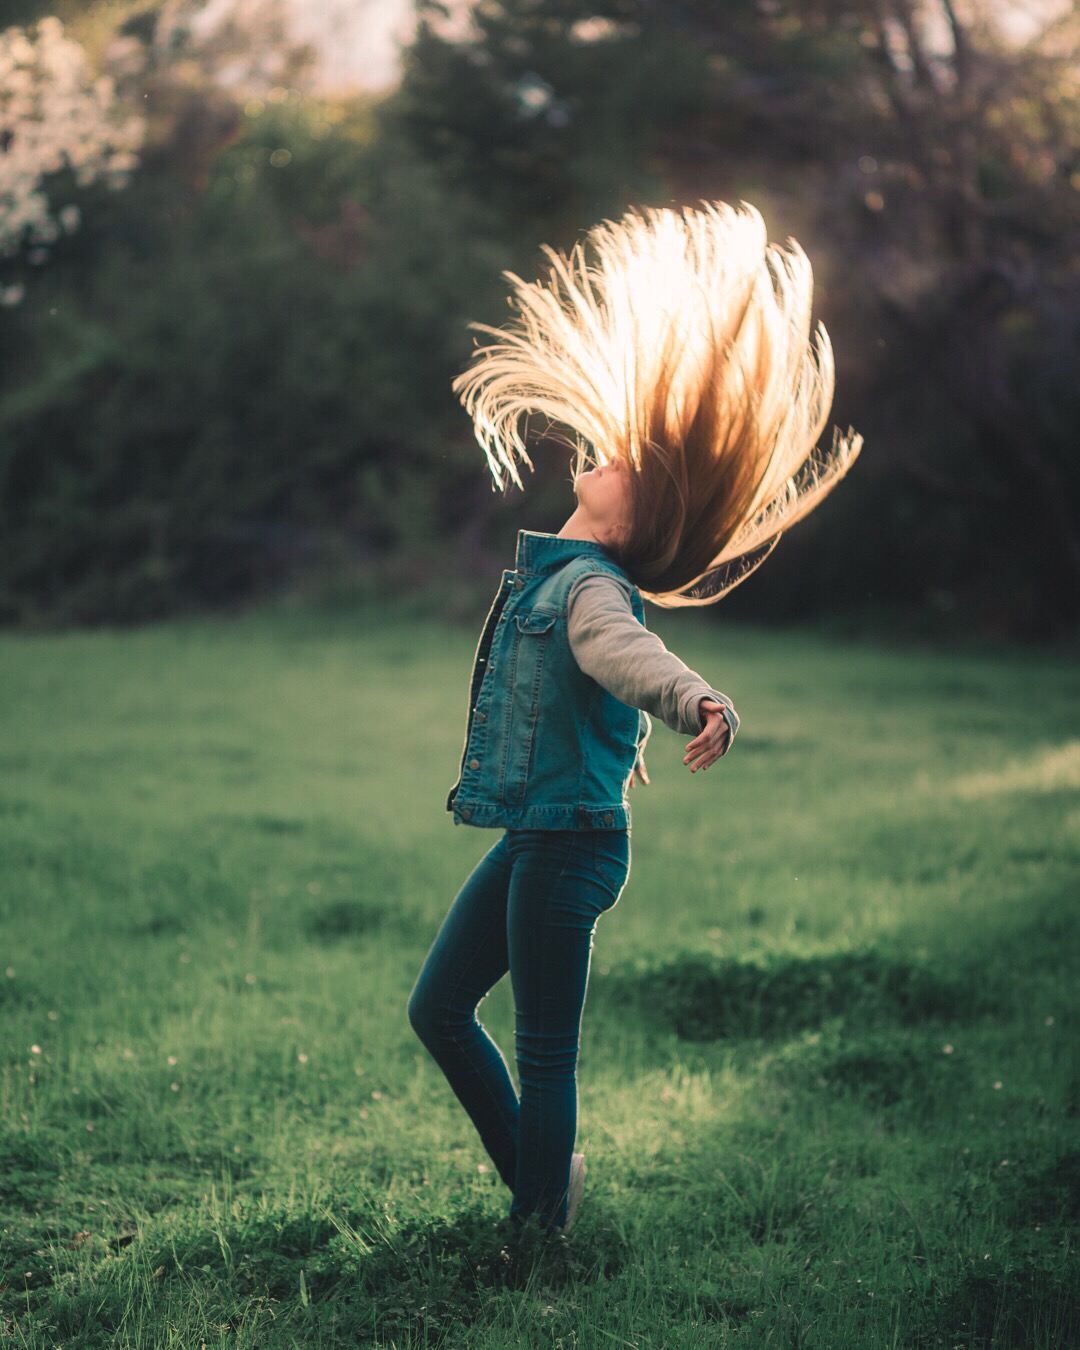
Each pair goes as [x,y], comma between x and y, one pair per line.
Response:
[1031,1302]
[344,919]
[705,999]
[880,1069]
[368,1278]
[21,993]
[28,1169]
[1046,1197]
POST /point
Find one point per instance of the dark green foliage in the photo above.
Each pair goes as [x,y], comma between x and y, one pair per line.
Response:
[349,918]
[903,1071]
[765,1201]
[366,1276]
[278,825]
[160,925]
[28,1168]
[92,1316]
[264,1252]
[210,393]
[1030,1302]
[1048,1195]
[237,371]
[889,1071]
[703,998]
[555,130]
[21,993]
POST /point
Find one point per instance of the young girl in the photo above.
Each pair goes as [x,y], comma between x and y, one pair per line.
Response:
[675,349]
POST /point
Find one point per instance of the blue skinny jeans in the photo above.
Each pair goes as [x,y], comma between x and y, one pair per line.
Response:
[529,907]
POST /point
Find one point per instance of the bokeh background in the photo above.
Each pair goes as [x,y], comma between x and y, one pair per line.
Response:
[241,241]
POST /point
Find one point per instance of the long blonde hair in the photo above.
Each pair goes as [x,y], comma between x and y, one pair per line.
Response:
[678,342]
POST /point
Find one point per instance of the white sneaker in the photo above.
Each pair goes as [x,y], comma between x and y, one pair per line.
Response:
[575,1190]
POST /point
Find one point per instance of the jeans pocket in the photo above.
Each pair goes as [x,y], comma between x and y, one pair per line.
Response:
[611,859]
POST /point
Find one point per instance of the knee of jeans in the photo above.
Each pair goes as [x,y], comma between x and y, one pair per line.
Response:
[546,1056]
[435,1021]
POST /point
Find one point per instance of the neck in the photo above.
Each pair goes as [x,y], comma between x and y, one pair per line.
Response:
[579,527]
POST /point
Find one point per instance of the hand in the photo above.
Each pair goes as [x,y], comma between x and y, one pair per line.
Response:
[713,741]
[639,774]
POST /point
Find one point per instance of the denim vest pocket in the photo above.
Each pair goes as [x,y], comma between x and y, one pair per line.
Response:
[536,621]
[526,680]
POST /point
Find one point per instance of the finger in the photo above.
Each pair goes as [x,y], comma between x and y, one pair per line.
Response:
[719,734]
[704,760]
[708,740]
[715,725]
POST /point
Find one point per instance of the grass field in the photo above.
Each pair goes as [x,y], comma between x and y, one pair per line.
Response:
[829,1084]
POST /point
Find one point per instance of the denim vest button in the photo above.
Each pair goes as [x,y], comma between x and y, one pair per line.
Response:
[466,814]
[519,585]
[609,818]
[480,717]
[474,763]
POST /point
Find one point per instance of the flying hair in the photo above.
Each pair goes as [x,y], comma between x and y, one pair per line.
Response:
[680,343]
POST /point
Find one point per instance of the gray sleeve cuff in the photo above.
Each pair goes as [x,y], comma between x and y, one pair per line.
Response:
[731,717]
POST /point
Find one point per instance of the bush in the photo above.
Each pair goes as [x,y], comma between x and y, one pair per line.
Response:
[213,390]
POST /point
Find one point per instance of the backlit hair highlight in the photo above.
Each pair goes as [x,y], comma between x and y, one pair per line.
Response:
[680,343]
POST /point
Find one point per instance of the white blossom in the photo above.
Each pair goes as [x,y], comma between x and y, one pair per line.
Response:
[54,114]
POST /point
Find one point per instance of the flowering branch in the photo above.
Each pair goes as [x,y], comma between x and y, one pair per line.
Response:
[54,115]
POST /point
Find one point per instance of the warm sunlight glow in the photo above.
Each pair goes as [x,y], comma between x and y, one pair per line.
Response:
[1055,769]
[657,330]
[359,41]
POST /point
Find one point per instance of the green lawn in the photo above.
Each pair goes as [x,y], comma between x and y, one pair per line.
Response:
[829,1083]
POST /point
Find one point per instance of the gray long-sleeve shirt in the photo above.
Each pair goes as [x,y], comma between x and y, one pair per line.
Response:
[619,653]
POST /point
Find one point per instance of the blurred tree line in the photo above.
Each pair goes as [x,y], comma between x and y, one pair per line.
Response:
[239,366]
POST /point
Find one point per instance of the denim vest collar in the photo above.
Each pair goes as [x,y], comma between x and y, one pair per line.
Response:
[538,553]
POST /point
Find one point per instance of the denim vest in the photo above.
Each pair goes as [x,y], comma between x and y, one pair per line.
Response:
[546,747]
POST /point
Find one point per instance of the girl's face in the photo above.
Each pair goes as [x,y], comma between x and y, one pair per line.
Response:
[603,496]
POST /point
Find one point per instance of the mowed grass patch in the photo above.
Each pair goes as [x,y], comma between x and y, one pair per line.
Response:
[829,1087]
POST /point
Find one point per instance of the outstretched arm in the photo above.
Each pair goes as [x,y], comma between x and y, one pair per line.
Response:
[621,654]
